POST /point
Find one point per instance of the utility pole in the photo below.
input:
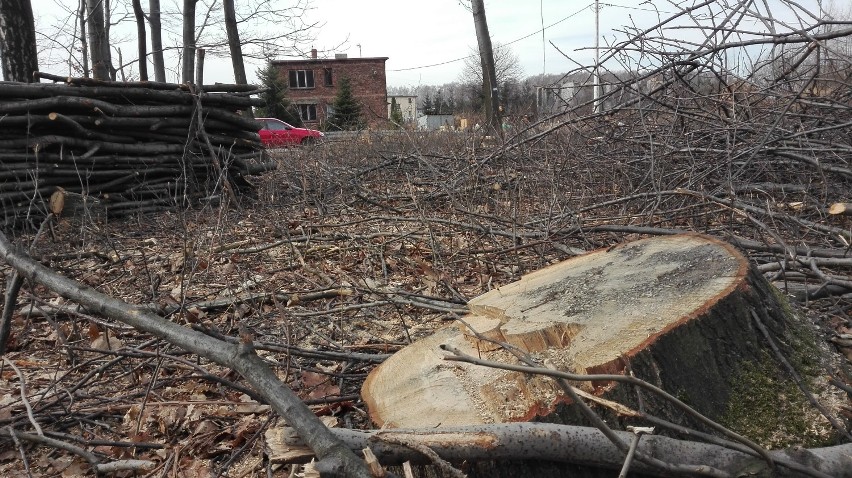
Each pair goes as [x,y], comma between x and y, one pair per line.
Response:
[489,75]
[596,78]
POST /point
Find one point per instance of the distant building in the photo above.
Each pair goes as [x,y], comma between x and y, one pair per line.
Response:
[313,86]
[407,106]
[435,122]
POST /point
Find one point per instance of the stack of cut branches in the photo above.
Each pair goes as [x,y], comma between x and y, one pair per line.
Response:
[129,146]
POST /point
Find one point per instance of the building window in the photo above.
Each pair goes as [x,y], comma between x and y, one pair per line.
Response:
[301,78]
[329,80]
[308,112]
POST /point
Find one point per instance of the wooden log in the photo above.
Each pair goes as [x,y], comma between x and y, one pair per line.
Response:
[63,120]
[123,95]
[678,311]
[842,208]
[78,207]
[132,148]
[216,87]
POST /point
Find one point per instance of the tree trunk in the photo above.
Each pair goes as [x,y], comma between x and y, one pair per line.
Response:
[685,313]
[234,43]
[107,51]
[98,42]
[18,54]
[141,40]
[84,43]
[486,56]
[156,41]
[188,69]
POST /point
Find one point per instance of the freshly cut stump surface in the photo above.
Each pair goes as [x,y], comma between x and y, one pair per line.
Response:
[678,309]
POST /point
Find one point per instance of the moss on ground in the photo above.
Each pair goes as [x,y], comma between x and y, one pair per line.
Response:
[771,409]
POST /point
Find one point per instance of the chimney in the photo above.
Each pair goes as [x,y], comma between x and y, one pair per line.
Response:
[313,53]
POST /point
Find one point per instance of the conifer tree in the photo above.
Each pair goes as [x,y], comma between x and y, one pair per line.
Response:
[438,103]
[427,105]
[277,105]
[347,111]
[396,113]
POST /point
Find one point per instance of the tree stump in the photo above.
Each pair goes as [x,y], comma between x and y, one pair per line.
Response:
[680,312]
[75,206]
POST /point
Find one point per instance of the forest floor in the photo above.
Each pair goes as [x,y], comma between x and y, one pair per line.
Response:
[348,252]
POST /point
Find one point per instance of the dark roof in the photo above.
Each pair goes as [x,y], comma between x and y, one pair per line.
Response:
[329,60]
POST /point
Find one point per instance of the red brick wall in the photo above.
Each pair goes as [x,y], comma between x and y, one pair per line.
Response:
[367,75]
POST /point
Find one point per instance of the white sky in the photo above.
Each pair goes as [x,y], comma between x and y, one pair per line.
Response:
[413,34]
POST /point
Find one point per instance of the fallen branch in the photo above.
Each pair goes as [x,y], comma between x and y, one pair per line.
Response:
[582,445]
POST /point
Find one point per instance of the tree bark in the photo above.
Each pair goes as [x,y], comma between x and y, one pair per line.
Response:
[489,74]
[141,40]
[18,54]
[84,42]
[188,67]
[156,40]
[559,447]
[107,47]
[98,42]
[234,42]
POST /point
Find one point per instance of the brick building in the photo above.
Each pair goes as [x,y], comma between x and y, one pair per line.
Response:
[313,86]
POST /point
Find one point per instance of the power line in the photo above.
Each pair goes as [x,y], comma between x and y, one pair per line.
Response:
[506,44]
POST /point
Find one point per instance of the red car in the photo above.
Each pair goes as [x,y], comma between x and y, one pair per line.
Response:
[276,133]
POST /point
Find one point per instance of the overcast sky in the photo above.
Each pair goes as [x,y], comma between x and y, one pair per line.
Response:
[416,34]
[442,31]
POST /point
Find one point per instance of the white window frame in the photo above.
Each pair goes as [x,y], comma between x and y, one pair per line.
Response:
[301,79]
[307,111]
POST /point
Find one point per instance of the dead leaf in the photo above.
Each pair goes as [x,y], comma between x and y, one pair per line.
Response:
[94,331]
[206,426]
[77,469]
[61,463]
[316,385]
[9,455]
[249,406]
[170,417]
[107,342]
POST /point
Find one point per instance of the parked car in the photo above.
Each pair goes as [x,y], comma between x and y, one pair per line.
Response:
[276,133]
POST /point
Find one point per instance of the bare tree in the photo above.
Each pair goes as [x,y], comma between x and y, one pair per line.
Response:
[98,40]
[507,66]
[141,39]
[156,40]
[234,43]
[18,53]
[261,28]
[84,44]
[188,64]
[266,29]
[486,55]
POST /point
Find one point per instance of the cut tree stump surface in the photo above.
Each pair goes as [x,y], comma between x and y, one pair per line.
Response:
[585,315]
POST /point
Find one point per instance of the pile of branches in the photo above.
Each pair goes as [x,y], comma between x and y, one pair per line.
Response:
[125,147]
[756,151]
